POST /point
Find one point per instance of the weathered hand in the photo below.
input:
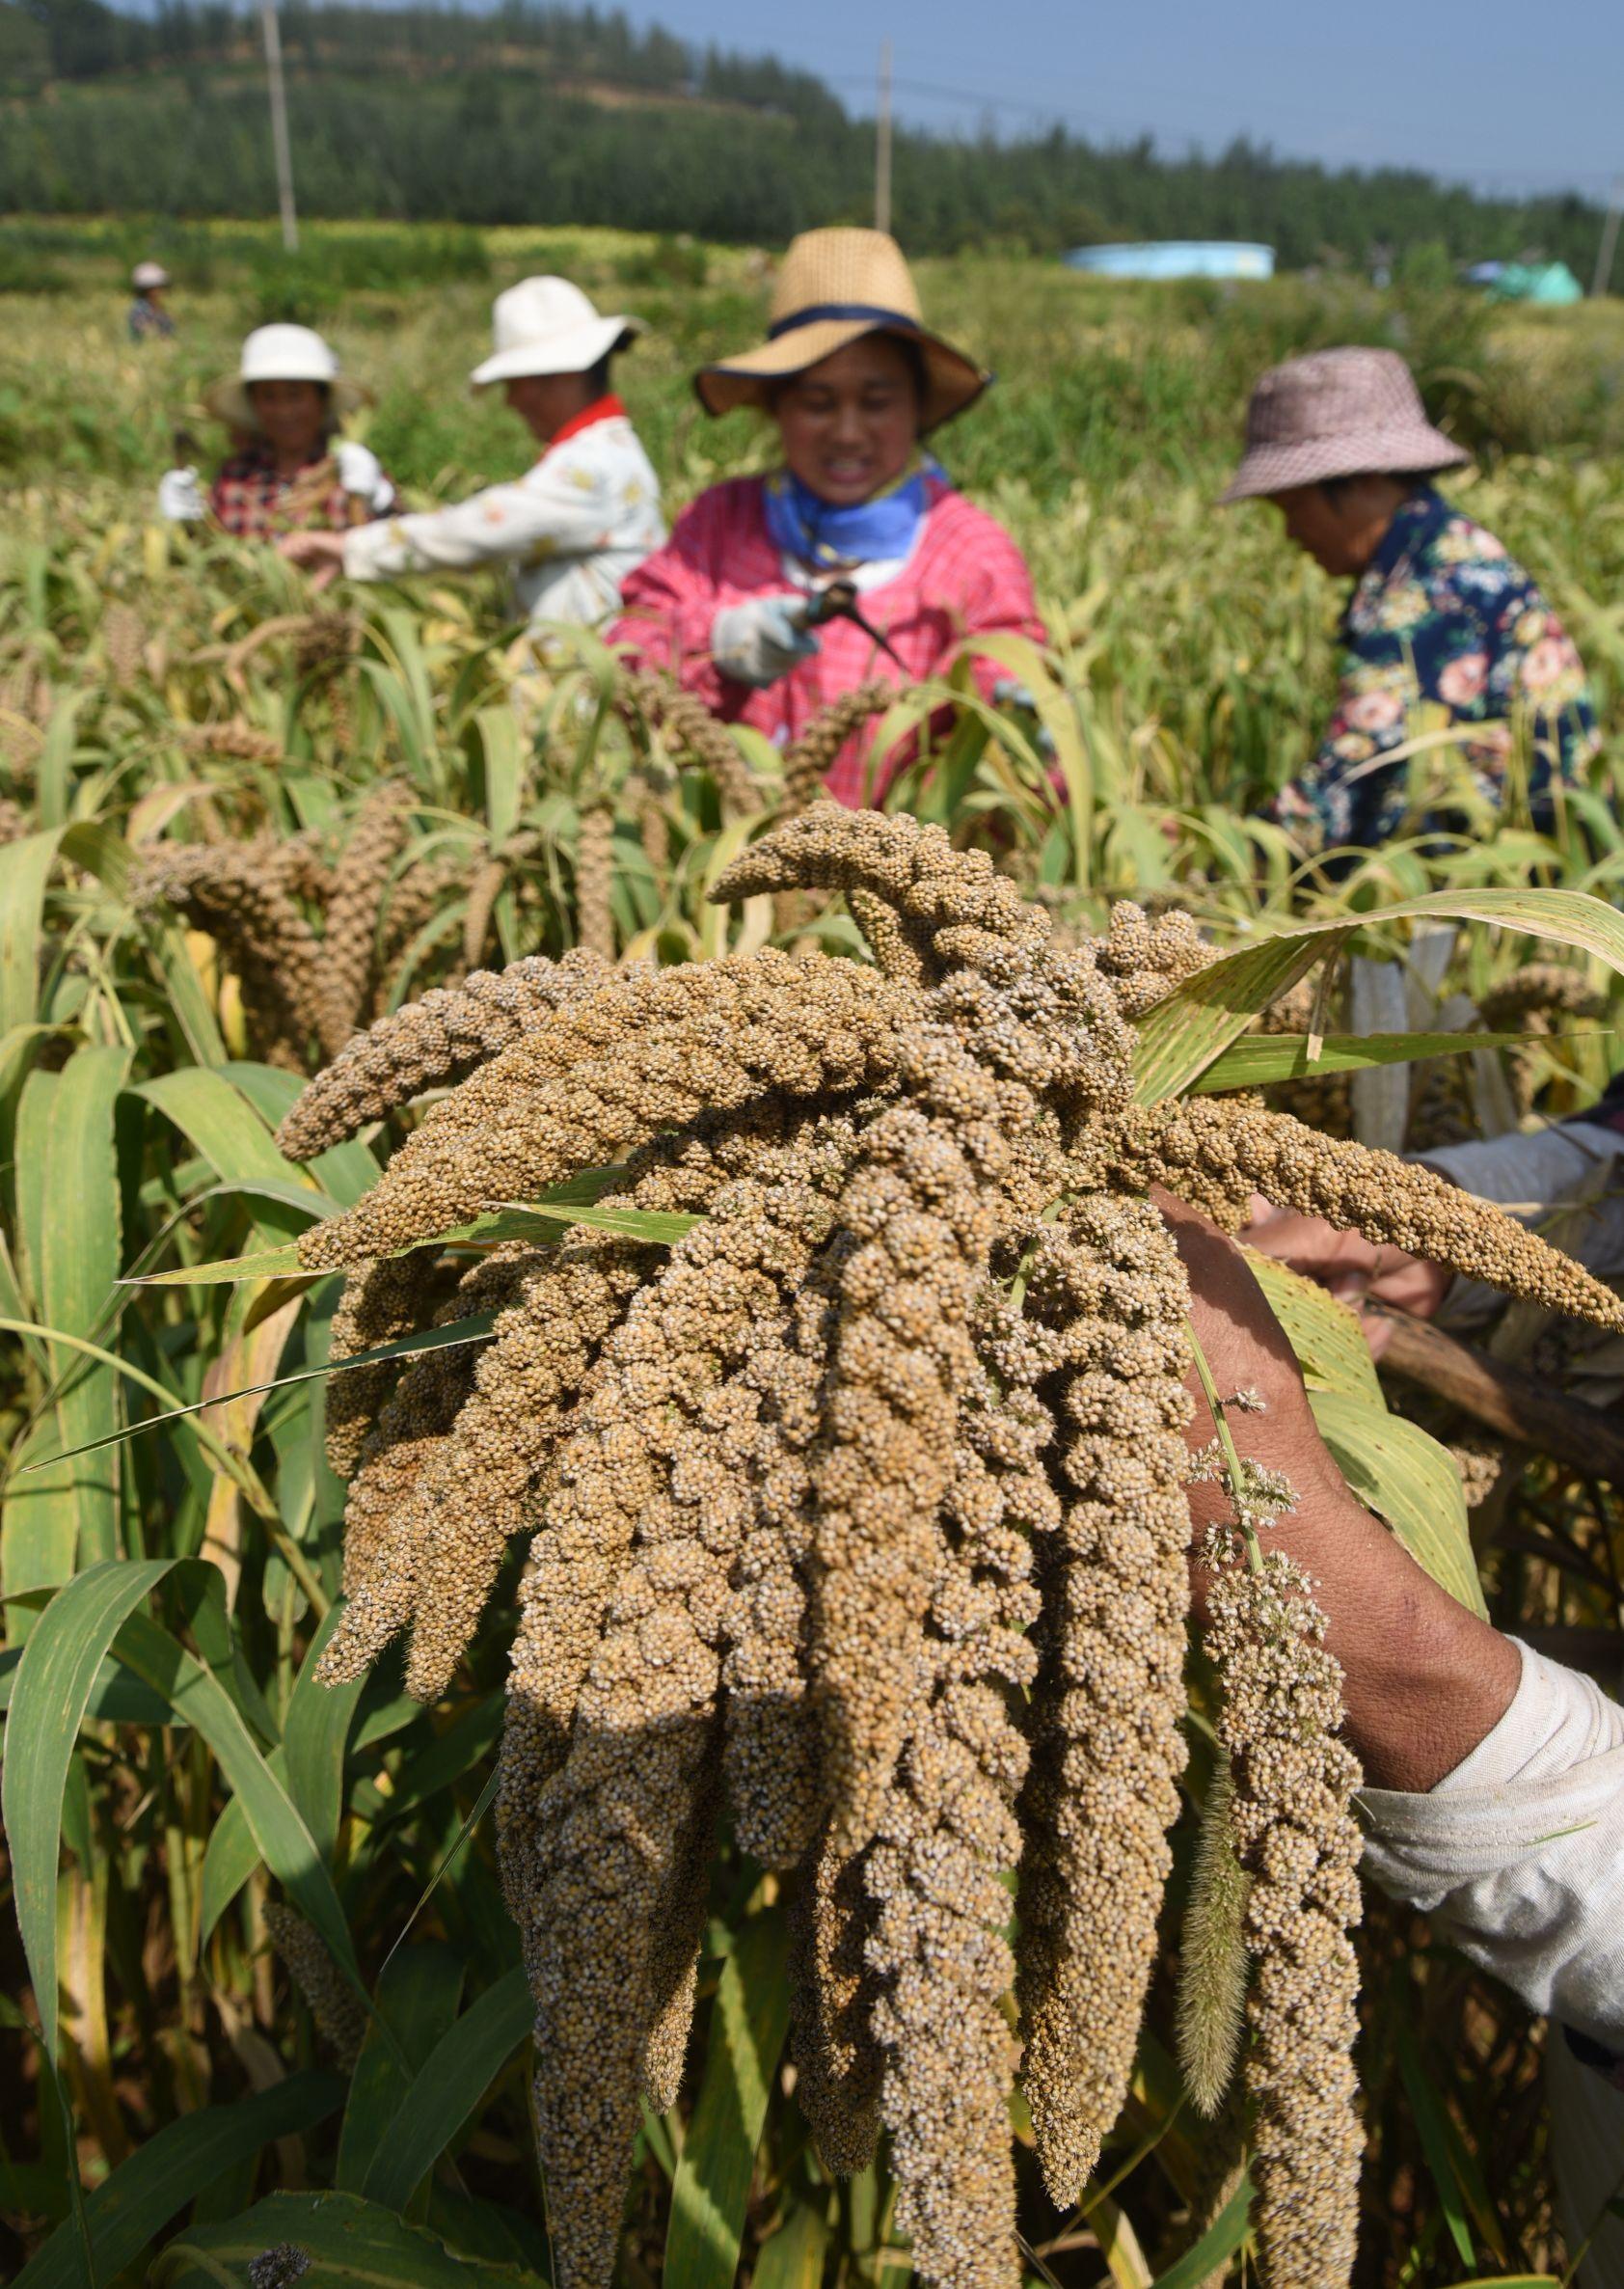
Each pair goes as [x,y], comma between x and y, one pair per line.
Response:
[1425,1680]
[1352,1269]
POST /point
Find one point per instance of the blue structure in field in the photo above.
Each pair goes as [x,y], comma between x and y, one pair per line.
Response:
[1176,258]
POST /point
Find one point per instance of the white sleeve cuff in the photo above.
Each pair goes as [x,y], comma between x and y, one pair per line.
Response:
[1518,1852]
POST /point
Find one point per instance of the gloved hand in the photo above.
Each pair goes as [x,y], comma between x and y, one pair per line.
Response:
[360,474]
[758,642]
[180,498]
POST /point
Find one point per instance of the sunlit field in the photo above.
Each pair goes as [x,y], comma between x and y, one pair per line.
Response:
[261,1917]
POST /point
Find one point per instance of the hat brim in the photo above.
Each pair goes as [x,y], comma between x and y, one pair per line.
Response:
[575,351]
[229,400]
[953,382]
[1415,449]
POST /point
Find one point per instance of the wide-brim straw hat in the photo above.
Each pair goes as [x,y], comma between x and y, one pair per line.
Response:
[1337,413]
[547,325]
[834,288]
[282,353]
[146,277]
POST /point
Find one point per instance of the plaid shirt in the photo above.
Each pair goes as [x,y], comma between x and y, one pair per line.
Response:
[1443,619]
[252,500]
[964,577]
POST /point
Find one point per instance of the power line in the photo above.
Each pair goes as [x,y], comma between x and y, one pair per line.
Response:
[1042,113]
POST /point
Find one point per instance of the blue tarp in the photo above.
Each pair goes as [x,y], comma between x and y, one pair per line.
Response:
[1177,258]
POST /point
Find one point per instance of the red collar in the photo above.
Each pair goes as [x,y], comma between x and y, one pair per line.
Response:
[601,409]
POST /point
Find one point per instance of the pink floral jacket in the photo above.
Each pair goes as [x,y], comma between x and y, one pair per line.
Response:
[964,577]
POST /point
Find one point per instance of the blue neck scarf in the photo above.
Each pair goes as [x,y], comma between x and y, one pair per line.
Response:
[828,537]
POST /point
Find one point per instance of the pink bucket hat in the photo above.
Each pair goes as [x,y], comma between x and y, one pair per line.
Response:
[1337,413]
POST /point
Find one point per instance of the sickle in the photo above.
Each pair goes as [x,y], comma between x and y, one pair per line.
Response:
[838,601]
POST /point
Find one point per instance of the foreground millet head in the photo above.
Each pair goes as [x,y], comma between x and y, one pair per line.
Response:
[860,1511]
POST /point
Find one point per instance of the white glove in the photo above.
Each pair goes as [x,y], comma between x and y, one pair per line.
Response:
[360,474]
[180,498]
[758,642]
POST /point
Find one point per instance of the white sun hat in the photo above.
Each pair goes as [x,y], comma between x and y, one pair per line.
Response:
[546,325]
[282,353]
[148,275]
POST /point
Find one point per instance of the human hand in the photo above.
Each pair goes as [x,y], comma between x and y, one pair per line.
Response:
[320,554]
[361,473]
[1246,1351]
[1353,1269]
[757,641]
[1423,1679]
[180,498]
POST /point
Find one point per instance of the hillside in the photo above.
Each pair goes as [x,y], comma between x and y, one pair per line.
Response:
[545,113]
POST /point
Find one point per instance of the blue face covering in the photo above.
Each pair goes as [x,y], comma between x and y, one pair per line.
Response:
[828,537]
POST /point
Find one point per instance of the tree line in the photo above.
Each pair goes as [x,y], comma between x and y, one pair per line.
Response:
[419,113]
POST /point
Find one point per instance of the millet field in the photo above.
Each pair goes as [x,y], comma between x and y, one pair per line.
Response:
[599,1681]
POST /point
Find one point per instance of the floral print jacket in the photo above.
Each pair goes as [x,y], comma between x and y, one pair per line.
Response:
[1443,630]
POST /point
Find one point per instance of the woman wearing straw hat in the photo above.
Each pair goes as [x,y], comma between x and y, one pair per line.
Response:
[283,407]
[852,380]
[576,524]
[148,320]
[1439,616]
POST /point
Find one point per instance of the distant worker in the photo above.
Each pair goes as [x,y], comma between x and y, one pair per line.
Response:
[290,468]
[147,319]
[571,528]
[852,381]
[1439,615]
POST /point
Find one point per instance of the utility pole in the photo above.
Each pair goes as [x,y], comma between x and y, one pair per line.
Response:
[279,124]
[1603,280]
[882,142]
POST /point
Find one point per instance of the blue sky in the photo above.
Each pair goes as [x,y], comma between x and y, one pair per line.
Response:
[1500,94]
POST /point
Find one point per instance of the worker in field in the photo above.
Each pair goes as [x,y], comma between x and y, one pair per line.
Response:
[1495,1775]
[581,518]
[289,466]
[149,318]
[1450,653]
[853,382]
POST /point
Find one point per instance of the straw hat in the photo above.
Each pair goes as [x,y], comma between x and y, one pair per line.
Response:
[546,325]
[1337,413]
[835,286]
[282,353]
[146,276]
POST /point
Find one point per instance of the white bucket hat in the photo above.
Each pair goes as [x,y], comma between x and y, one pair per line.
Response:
[148,275]
[282,353]
[545,325]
